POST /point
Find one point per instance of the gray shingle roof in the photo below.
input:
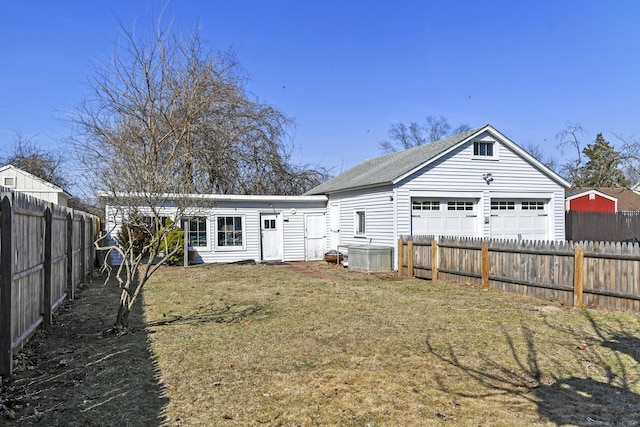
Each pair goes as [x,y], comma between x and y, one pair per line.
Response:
[386,169]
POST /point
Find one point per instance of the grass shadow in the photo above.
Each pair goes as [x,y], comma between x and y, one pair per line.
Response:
[605,395]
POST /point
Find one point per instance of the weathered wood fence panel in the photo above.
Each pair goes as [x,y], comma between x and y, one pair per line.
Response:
[601,226]
[608,274]
[58,255]
[39,242]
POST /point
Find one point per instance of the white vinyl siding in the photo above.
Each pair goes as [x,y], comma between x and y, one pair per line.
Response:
[460,173]
[292,228]
[379,216]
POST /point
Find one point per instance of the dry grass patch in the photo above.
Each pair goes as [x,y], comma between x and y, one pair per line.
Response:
[259,345]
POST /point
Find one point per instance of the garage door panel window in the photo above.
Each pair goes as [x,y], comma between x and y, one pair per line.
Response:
[426,205]
[456,205]
[502,205]
[533,205]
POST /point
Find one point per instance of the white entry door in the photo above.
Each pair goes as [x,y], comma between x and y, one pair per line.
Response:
[271,237]
[314,236]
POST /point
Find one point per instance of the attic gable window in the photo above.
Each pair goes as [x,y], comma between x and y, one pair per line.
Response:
[483,148]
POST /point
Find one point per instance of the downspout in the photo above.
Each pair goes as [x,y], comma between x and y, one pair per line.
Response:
[394,201]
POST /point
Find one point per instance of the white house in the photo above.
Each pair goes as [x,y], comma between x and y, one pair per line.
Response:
[477,183]
[230,228]
[23,182]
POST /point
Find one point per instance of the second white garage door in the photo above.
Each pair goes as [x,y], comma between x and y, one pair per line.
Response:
[519,219]
[444,217]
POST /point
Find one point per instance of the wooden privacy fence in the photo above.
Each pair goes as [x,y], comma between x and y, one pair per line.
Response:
[584,274]
[596,226]
[46,250]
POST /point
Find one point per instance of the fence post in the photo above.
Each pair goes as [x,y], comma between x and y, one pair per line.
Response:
[578,278]
[6,285]
[92,251]
[410,259]
[400,257]
[83,251]
[70,256]
[484,265]
[434,260]
[48,221]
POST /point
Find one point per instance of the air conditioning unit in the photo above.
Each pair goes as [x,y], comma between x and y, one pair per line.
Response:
[370,259]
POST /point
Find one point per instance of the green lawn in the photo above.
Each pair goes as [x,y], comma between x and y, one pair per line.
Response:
[261,345]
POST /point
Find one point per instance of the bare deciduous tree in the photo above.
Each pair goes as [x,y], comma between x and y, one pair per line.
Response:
[538,153]
[403,136]
[163,120]
[46,164]
[570,138]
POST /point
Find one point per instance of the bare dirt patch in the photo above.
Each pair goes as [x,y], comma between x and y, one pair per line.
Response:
[76,373]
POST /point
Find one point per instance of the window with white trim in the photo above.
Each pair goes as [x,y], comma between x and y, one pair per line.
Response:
[9,181]
[230,232]
[360,223]
[196,231]
[485,149]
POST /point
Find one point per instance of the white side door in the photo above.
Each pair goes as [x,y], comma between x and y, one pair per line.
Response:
[271,237]
[314,236]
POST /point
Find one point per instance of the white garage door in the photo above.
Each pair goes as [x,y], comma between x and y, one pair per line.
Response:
[444,217]
[519,219]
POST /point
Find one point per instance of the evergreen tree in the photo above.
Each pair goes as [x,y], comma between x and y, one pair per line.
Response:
[603,167]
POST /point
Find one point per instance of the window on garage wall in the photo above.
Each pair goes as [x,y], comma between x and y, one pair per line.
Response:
[360,223]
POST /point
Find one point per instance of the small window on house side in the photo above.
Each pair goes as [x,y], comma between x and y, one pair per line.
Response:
[9,181]
[360,223]
[483,149]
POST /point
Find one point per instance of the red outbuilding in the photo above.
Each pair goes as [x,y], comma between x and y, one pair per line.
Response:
[602,199]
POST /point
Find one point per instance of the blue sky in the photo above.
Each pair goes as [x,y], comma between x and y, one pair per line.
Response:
[347,70]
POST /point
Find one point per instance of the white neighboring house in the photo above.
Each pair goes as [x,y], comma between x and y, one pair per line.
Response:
[478,183]
[230,228]
[23,182]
